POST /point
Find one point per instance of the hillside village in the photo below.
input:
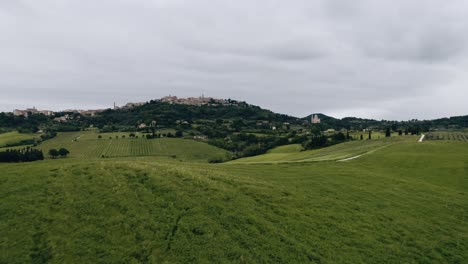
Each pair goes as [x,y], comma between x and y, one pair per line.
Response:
[195,101]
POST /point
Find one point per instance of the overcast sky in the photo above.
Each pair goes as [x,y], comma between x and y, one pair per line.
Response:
[395,59]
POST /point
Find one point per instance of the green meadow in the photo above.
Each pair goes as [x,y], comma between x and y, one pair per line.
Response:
[15,137]
[294,153]
[400,202]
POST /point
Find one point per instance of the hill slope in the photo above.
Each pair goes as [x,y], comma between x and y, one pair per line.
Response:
[405,204]
[15,138]
[87,145]
[294,153]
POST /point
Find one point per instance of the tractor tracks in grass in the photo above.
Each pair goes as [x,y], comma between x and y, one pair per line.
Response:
[362,154]
[355,157]
[170,235]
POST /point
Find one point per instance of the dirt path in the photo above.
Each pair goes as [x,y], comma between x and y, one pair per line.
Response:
[421,139]
[355,157]
[360,155]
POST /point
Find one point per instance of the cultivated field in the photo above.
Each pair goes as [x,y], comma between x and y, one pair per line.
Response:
[404,203]
[459,136]
[87,145]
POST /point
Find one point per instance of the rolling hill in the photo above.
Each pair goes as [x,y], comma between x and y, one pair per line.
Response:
[86,144]
[294,153]
[403,204]
[15,138]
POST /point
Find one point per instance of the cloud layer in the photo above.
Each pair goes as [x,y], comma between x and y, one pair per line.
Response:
[380,59]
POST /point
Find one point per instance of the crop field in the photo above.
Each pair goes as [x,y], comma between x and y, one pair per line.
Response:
[404,203]
[459,136]
[293,153]
[87,145]
[94,135]
[15,137]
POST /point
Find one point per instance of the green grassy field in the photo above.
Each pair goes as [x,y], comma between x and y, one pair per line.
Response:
[404,203]
[87,145]
[15,137]
[293,153]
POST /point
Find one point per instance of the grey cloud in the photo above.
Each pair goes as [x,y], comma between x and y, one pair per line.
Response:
[381,59]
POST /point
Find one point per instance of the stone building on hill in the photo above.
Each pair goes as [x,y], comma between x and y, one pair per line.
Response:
[315,119]
[32,111]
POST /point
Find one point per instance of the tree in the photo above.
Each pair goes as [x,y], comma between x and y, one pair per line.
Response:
[400,132]
[63,152]
[179,133]
[338,137]
[388,133]
[370,134]
[362,137]
[53,153]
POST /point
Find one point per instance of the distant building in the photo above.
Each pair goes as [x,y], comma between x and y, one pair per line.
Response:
[127,106]
[32,111]
[200,137]
[202,100]
[64,118]
[315,120]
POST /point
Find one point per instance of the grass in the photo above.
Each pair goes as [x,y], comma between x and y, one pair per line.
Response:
[15,137]
[87,145]
[294,153]
[406,203]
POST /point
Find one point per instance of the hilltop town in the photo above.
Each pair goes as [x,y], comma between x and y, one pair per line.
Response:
[197,101]
[202,100]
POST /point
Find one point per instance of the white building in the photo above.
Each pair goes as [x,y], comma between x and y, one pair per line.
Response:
[315,120]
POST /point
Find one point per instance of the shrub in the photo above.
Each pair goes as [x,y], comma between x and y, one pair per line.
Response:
[63,152]
[53,153]
[216,160]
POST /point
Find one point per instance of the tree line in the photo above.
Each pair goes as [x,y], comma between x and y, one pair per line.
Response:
[21,155]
